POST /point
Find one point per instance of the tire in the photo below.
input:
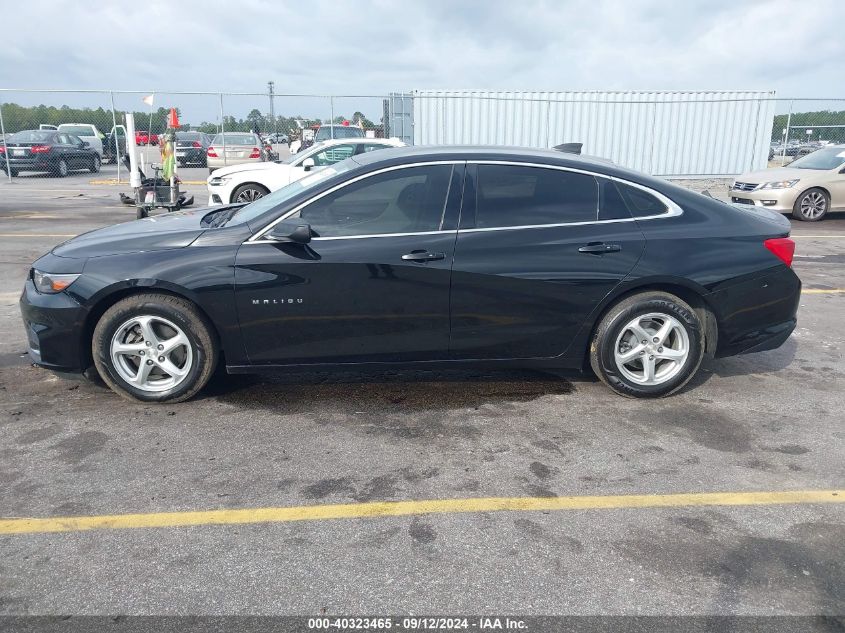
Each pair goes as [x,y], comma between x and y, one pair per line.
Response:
[61,169]
[249,193]
[182,163]
[649,310]
[139,320]
[95,164]
[811,205]
[140,213]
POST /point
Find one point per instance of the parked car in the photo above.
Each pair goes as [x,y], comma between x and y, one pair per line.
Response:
[430,257]
[808,188]
[277,138]
[245,183]
[192,148]
[327,132]
[58,153]
[114,144]
[143,137]
[87,132]
[235,148]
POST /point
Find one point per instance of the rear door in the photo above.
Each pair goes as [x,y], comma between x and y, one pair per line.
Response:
[534,256]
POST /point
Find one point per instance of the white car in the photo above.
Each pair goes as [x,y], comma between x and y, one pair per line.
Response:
[248,182]
[87,132]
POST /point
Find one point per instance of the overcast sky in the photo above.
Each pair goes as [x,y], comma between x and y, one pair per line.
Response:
[374,47]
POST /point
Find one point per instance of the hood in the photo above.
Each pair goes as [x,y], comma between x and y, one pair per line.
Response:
[772,175]
[239,169]
[172,230]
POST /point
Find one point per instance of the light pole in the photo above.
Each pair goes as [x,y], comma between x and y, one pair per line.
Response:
[270,86]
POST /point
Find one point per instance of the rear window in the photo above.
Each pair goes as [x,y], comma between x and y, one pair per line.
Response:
[188,136]
[342,131]
[31,136]
[78,130]
[235,139]
[522,196]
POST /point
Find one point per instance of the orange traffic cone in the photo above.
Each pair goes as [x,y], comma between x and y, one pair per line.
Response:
[173,119]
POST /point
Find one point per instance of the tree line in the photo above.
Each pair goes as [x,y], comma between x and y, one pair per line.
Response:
[811,121]
[17,118]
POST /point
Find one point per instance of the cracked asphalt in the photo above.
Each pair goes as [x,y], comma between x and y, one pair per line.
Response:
[763,422]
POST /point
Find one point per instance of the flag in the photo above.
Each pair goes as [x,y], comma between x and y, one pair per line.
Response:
[148,100]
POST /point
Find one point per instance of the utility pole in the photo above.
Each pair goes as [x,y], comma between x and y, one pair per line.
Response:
[270,85]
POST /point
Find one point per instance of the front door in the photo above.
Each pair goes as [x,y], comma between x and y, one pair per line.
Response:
[371,286]
[534,256]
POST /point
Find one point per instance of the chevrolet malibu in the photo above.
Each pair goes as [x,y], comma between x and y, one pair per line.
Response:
[808,187]
[422,257]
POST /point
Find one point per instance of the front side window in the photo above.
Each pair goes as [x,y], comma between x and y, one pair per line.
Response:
[409,200]
[333,154]
[511,195]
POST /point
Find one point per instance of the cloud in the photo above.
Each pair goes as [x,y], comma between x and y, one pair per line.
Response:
[378,46]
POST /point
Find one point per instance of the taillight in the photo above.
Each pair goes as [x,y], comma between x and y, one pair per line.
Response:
[256,153]
[39,149]
[196,144]
[211,153]
[782,247]
[2,149]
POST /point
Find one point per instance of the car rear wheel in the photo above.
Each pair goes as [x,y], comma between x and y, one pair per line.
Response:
[812,205]
[249,192]
[648,345]
[154,348]
[61,168]
[95,164]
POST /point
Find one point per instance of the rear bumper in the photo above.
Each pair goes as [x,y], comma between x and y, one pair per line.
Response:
[53,324]
[190,155]
[758,314]
[29,164]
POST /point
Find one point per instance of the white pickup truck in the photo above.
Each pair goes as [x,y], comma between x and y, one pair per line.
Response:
[87,132]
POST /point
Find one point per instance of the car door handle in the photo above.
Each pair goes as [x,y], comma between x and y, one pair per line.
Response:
[423,256]
[597,248]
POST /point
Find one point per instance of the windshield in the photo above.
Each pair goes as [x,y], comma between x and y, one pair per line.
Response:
[30,136]
[280,196]
[77,130]
[828,158]
[234,139]
[340,131]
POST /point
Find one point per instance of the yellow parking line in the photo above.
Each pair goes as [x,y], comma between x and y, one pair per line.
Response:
[823,291]
[407,508]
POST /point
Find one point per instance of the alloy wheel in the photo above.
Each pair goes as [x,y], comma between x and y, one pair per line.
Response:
[813,205]
[651,349]
[248,195]
[151,353]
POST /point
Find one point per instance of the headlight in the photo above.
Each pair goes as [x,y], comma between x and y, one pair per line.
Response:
[217,181]
[778,184]
[50,283]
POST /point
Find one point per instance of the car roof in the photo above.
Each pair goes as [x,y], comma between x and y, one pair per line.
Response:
[359,139]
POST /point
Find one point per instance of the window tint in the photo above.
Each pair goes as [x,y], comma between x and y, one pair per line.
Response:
[641,203]
[517,196]
[402,201]
[611,206]
[333,154]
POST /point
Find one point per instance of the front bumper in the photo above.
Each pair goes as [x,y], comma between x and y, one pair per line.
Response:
[54,325]
[780,200]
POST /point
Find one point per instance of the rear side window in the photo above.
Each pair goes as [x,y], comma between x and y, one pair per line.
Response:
[510,195]
[611,204]
[641,203]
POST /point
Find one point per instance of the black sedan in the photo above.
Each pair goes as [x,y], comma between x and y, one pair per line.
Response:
[192,147]
[434,257]
[55,152]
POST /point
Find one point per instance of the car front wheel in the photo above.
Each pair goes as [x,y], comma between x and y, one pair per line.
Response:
[154,348]
[95,164]
[648,345]
[812,205]
[249,192]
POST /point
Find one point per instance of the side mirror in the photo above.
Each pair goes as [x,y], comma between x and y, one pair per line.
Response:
[293,231]
[308,164]
[84,144]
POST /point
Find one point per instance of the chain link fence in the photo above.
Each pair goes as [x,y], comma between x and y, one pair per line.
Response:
[715,135]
